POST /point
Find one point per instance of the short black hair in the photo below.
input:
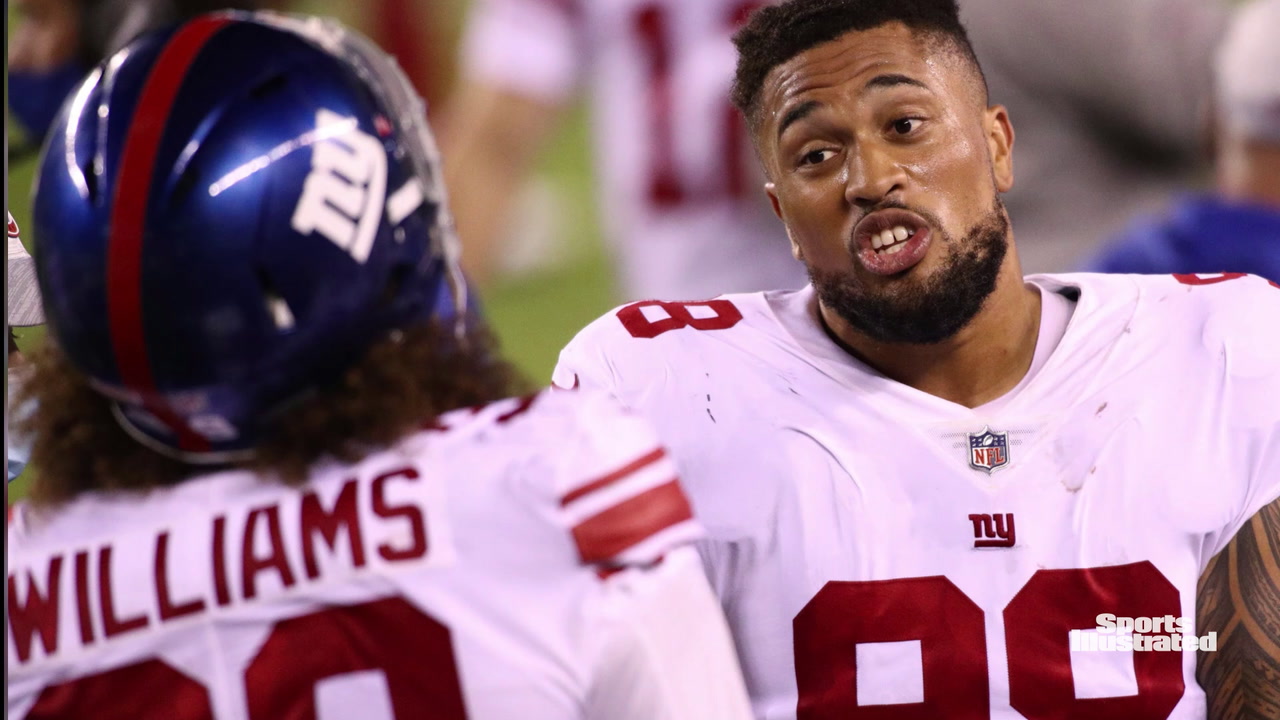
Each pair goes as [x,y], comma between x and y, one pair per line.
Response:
[775,34]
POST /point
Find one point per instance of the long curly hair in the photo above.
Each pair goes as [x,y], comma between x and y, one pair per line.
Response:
[402,382]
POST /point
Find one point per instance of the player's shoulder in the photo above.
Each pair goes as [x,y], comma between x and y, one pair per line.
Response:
[1236,311]
[588,471]
[547,423]
[1209,292]
[617,491]
[1205,316]
[660,328]
[1191,297]
[103,517]
[662,319]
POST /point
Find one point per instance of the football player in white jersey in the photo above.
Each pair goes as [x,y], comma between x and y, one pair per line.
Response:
[931,485]
[257,498]
[677,185]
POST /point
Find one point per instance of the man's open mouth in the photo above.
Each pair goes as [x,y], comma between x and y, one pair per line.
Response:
[891,241]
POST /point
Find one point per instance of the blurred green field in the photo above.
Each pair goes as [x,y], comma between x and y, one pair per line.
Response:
[534,314]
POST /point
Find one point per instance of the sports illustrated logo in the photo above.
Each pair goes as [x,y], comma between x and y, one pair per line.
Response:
[345,192]
[1140,634]
[993,531]
[988,450]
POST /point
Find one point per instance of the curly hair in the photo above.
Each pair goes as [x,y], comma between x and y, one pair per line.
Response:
[778,33]
[401,383]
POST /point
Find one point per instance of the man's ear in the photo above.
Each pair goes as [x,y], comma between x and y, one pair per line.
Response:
[1000,146]
[772,192]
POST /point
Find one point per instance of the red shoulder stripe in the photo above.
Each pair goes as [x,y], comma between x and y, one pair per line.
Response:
[630,522]
[648,459]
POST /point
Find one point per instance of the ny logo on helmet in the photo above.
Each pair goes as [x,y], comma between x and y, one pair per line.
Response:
[345,192]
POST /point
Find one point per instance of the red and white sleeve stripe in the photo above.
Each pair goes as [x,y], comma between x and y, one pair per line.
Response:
[632,514]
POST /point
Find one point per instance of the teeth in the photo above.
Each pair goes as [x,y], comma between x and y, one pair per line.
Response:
[889,237]
[895,249]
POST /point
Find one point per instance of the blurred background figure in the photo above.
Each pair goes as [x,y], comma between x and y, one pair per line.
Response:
[684,214]
[56,42]
[22,297]
[1236,228]
[1108,100]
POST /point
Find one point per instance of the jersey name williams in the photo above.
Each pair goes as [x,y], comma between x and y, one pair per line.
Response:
[251,554]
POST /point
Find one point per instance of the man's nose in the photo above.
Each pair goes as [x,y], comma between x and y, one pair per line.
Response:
[874,175]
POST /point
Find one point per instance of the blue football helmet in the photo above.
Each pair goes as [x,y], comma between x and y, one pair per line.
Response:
[230,213]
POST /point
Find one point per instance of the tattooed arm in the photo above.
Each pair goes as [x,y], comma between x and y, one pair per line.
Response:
[1239,598]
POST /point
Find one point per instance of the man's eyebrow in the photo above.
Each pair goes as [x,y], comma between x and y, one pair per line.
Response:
[888,80]
[797,113]
[892,80]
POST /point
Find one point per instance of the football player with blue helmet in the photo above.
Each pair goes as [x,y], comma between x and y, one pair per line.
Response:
[265,394]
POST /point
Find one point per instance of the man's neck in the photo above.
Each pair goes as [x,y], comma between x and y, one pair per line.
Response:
[985,360]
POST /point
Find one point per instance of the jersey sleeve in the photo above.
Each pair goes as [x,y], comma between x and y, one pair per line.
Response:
[618,490]
[1242,331]
[661,649]
[585,364]
[531,47]
[607,357]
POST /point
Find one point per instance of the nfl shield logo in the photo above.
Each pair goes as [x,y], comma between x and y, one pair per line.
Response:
[988,451]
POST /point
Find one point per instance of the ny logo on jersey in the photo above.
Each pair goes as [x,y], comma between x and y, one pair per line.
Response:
[344,194]
[988,450]
[993,531]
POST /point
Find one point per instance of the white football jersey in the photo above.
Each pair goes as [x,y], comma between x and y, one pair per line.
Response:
[527,560]
[881,552]
[680,190]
